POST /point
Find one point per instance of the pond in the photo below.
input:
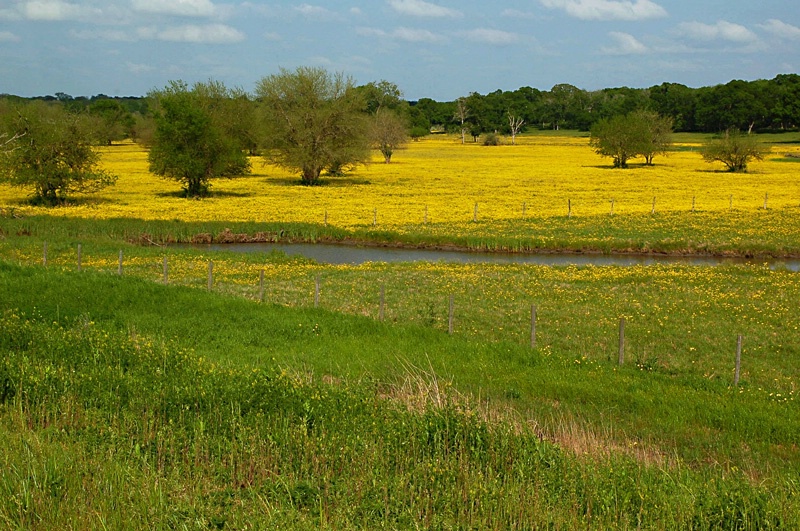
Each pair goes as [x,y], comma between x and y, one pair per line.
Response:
[354,255]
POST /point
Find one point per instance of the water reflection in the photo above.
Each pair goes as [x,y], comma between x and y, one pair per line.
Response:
[354,255]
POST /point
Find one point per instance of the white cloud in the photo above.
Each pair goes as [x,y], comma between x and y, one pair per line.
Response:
[138,68]
[722,30]
[184,8]
[106,35]
[420,8]
[53,10]
[273,36]
[781,29]
[209,33]
[402,34]
[491,36]
[312,11]
[416,35]
[624,44]
[7,36]
[516,13]
[608,9]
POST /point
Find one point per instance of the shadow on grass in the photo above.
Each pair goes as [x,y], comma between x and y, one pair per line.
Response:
[181,194]
[332,182]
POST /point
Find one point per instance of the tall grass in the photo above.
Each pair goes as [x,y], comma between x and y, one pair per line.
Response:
[113,429]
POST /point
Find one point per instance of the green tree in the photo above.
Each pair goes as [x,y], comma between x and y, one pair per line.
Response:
[387,132]
[50,150]
[114,121]
[618,137]
[314,121]
[657,131]
[623,137]
[735,150]
[193,142]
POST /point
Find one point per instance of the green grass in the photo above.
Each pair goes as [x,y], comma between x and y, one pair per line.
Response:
[109,419]
[172,406]
[763,233]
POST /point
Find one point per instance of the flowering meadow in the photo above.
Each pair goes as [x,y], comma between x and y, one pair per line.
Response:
[530,193]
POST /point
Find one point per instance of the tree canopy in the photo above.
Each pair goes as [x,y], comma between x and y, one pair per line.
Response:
[734,149]
[195,139]
[314,120]
[49,150]
[623,137]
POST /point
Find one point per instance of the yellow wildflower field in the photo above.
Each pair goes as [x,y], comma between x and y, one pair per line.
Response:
[439,180]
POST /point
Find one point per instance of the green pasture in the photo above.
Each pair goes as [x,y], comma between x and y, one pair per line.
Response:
[198,409]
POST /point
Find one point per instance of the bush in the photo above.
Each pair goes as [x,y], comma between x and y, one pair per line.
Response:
[492,139]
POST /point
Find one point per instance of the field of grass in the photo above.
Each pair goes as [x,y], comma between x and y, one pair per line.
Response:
[302,417]
[128,403]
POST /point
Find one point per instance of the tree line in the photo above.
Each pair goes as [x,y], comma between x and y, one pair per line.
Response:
[752,106]
[312,122]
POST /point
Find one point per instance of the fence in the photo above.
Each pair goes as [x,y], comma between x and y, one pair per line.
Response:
[452,307]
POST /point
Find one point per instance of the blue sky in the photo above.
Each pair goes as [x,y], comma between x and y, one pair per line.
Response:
[440,49]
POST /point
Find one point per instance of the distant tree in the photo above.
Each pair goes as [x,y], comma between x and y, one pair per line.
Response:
[387,132]
[381,95]
[114,121]
[314,121]
[623,137]
[735,150]
[515,124]
[460,116]
[192,142]
[420,124]
[657,131]
[50,150]
[618,137]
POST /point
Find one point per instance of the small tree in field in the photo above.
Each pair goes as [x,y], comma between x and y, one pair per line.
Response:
[623,137]
[658,134]
[387,132]
[734,150]
[193,142]
[313,121]
[49,150]
[617,137]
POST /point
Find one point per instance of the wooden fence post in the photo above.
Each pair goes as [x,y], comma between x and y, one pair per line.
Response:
[450,318]
[738,360]
[165,268]
[119,265]
[653,210]
[261,286]
[533,326]
[612,207]
[569,208]
[382,303]
[622,341]
[316,292]
[80,252]
[693,200]
[210,275]
[326,217]
[475,212]
[730,203]
[766,196]
[44,255]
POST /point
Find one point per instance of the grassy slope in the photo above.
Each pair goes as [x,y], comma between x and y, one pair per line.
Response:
[692,418]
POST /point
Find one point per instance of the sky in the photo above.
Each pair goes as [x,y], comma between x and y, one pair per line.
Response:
[440,49]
